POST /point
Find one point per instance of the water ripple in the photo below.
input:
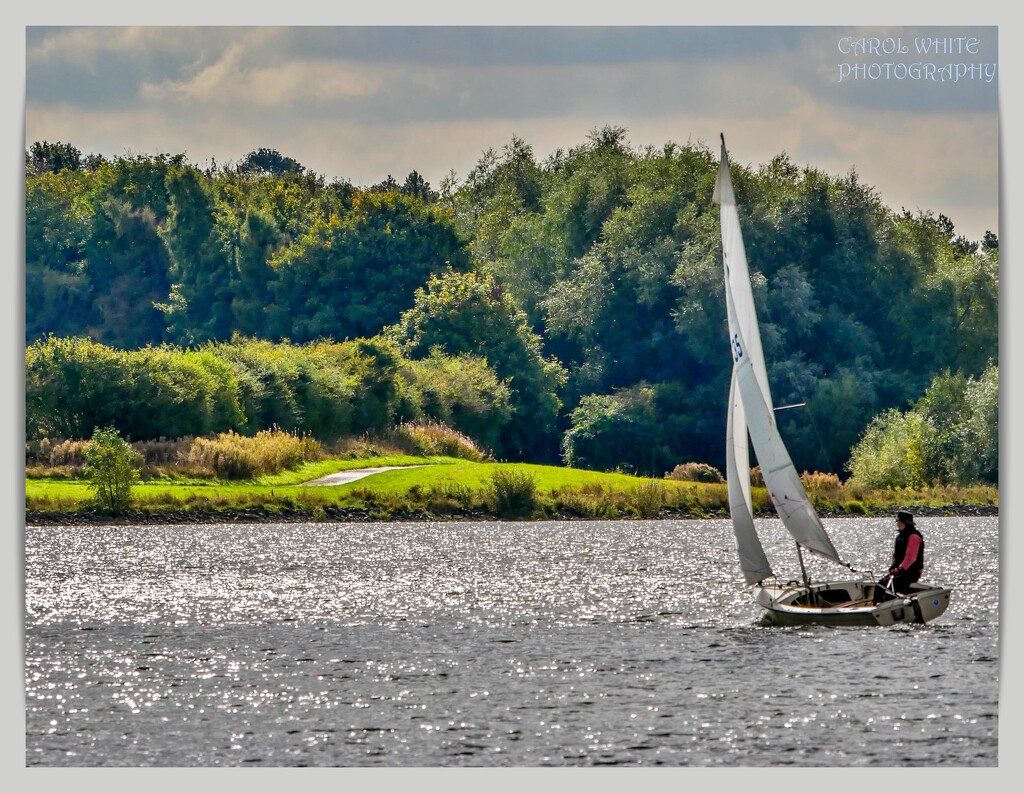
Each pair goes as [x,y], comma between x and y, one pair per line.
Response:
[559,643]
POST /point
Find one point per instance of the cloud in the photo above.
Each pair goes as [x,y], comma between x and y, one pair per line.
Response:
[361,103]
[86,47]
[232,79]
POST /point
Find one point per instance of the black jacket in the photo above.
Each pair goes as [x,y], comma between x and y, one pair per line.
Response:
[913,572]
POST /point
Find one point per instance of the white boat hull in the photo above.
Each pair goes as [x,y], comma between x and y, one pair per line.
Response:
[849,603]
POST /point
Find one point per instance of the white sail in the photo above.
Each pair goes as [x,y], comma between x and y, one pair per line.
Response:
[751,381]
[753,561]
[737,275]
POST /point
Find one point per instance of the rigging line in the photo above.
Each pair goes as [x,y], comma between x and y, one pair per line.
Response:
[803,397]
[839,562]
[814,424]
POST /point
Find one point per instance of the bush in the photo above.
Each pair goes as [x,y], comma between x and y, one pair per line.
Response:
[893,451]
[647,499]
[463,392]
[56,454]
[113,469]
[513,492]
[435,438]
[612,431]
[695,472]
[74,385]
[821,483]
[233,456]
[162,452]
[950,436]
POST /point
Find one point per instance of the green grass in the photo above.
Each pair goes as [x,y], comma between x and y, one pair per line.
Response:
[477,476]
[309,471]
[452,486]
[458,482]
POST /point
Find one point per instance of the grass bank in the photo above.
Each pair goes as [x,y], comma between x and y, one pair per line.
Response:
[453,488]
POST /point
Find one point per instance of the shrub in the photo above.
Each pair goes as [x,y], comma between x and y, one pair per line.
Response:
[435,438]
[365,446]
[695,472]
[56,454]
[162,452]
[647,499]
[821,483]
[463,392]
[233,456]
[112,467]
[855,507]
[513,492]
[585,501]
[893,450]
[612,431]
[73,385]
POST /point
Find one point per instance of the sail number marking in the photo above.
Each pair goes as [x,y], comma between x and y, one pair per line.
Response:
[737,348]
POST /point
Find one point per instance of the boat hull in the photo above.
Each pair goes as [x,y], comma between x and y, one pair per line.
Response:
[849,603]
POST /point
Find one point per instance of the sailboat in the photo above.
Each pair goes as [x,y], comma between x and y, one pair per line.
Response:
[849,600]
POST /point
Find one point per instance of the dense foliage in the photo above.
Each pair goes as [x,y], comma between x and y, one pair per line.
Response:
[589,284]
[470,313]
[949,436]
[247,386]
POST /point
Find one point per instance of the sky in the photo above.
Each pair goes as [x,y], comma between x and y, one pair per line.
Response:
[363,102]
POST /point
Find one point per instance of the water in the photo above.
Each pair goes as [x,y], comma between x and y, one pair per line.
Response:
[519,644]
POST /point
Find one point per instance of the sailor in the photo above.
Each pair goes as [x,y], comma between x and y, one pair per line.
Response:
[907,560]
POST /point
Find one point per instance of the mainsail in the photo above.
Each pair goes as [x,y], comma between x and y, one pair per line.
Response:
[750,384]
[753,562]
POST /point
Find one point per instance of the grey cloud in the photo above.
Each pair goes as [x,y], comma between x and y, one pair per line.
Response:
[478,86]
[714,65]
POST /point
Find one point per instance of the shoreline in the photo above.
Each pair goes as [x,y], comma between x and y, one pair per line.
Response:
[353,515]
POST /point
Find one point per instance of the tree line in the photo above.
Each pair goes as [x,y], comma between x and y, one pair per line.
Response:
[325,389]
[588,282]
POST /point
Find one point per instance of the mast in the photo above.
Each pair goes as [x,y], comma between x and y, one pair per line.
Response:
[751,383]
[751,554]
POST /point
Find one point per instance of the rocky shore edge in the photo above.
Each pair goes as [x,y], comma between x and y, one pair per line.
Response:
[351,515]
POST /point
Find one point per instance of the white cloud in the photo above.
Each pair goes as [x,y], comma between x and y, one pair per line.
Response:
[234,78]
[82,47]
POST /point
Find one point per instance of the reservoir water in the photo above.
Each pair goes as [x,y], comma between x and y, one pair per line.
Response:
[486,644]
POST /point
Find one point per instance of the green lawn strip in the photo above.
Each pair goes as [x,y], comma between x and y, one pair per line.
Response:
[44,493]
[50,494]
[477,476]
[309,471]
[283,490]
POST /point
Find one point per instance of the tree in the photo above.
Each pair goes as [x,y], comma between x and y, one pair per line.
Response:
[112,467]
[415,185]
[128,270]
[49,157]
[199,306]
[253,247]
[463,392]
[951,436]
[609,430]
[389,185]
[351,275]
[268,162]
[469,313]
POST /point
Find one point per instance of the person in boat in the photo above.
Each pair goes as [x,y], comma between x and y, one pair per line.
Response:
[907,560]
